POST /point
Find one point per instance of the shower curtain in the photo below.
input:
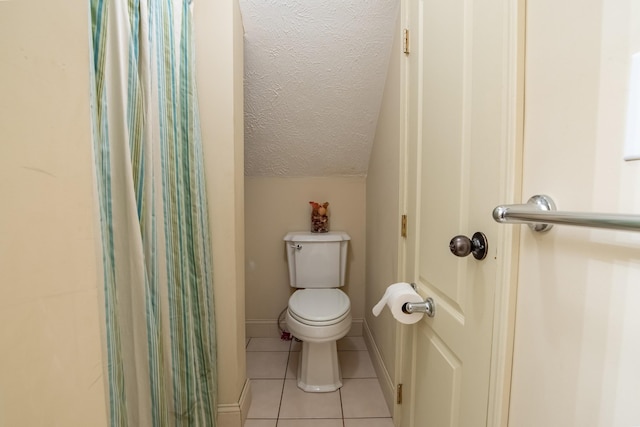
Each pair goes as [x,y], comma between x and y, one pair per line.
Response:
[159,331]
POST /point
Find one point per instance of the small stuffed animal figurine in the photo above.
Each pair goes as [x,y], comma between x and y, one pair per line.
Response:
[319,217]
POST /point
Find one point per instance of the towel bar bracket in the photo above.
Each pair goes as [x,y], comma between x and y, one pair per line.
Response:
[541,203]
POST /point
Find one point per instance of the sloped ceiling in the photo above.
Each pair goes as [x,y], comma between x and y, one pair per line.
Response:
[314,77]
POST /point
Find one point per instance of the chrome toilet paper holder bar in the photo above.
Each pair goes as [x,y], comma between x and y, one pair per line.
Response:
[428,306]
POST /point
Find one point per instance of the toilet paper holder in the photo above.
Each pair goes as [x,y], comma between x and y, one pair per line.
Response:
[428,306]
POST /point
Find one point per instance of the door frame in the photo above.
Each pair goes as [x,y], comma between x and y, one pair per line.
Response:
[508,241]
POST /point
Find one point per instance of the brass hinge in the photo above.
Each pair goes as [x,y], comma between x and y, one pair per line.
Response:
[399,394]
[403,227]
[405,41]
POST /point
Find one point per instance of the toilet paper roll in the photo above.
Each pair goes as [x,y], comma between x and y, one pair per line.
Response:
[395,297]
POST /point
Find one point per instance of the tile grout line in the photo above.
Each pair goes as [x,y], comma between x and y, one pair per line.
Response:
[290,353]
[341,407]
[284,380]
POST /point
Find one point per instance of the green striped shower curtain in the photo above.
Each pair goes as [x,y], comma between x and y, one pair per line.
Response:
[159,334]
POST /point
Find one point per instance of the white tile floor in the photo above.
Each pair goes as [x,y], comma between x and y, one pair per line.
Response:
[277,401]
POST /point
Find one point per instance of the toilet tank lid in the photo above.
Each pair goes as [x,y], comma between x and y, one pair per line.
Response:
[307,236]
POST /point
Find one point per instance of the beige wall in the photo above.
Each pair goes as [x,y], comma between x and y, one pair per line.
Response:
[383,216]
[577,352]
[275,206]
[50,361]
[219,55]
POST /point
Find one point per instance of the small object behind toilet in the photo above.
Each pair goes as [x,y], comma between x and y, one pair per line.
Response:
[319,217]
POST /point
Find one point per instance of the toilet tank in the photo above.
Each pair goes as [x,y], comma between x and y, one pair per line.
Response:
[317,260]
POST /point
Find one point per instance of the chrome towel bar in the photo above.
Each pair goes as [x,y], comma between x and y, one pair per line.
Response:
[540,213]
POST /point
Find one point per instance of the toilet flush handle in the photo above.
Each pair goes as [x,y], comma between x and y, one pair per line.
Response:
[296,246]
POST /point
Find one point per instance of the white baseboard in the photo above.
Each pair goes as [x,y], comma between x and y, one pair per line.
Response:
[386,384]
[229,415]
[245,400]
[234,414]
[356,328]
[255,328]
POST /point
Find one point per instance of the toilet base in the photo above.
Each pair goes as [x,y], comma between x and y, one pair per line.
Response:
[318,367]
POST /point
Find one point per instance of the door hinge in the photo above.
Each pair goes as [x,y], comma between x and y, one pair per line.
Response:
[399,394]
[403,226]
[405,41]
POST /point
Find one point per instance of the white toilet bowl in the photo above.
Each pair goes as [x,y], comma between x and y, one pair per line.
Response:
[319,317]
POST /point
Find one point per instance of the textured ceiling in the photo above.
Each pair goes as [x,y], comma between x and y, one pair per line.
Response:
[314,76]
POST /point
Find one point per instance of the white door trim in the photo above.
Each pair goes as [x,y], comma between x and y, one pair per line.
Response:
[509,236]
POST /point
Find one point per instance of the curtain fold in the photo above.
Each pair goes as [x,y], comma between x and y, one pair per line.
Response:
[159,330]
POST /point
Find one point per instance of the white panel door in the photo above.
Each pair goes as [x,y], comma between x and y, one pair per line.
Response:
[456,140]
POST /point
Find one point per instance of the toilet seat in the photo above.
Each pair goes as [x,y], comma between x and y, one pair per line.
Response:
[319,307]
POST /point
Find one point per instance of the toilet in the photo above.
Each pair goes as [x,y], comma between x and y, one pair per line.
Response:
[318,313]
